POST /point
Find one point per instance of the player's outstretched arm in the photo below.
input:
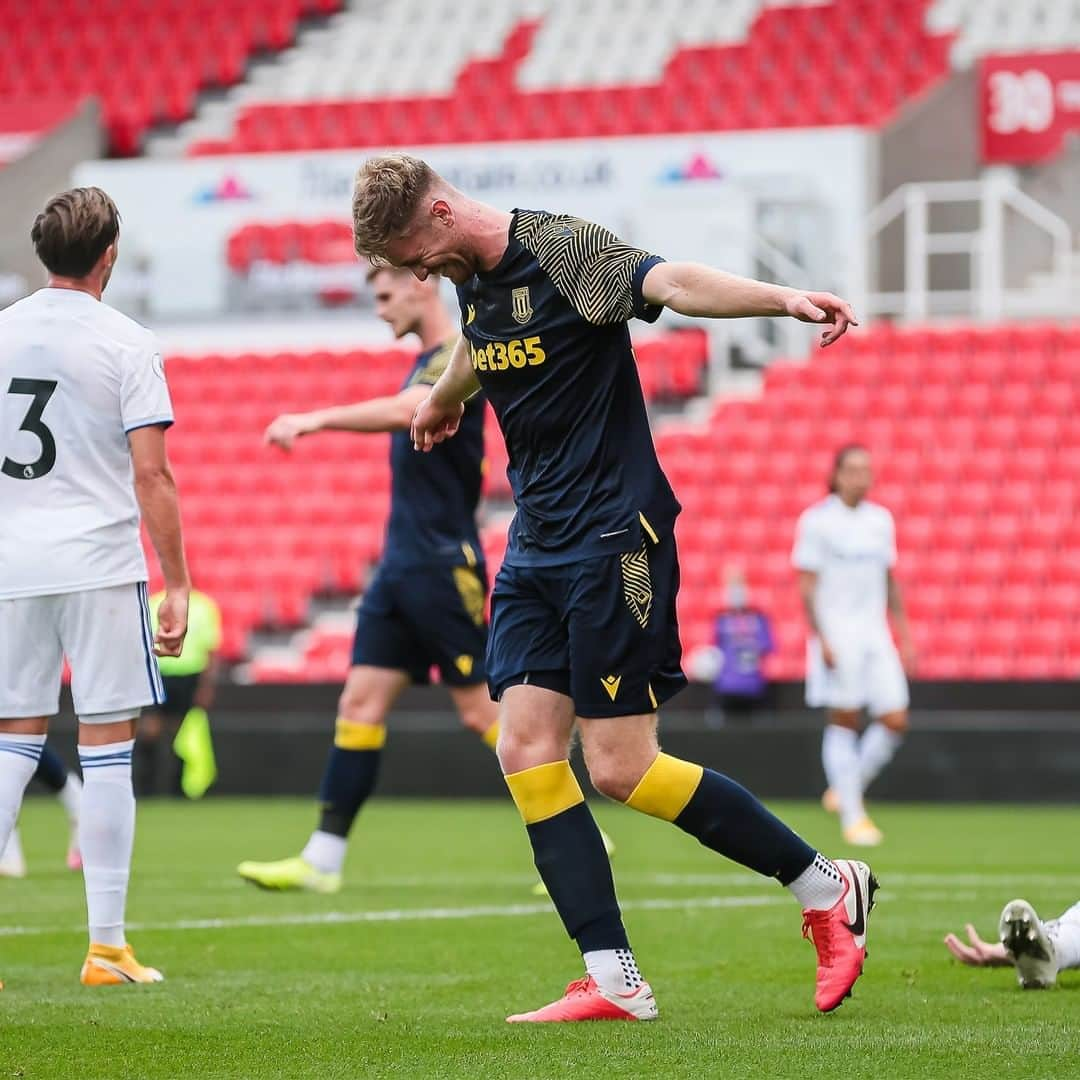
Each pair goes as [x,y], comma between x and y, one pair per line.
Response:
[979,953]
[701,291]
[392,413]
[438,416]
[155,490]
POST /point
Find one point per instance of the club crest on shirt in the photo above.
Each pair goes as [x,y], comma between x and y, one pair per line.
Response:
[521,305]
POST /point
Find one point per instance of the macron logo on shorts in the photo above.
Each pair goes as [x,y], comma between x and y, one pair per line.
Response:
[611,684]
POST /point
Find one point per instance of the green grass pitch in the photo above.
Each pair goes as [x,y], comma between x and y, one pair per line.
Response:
[411,969]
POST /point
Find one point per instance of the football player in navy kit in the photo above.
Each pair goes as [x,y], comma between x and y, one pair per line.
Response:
[583,624]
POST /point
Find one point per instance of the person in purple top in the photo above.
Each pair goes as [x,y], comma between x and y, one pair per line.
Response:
[743,639]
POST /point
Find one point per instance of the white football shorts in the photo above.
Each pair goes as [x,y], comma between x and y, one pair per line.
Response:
[104,633]
[868,675]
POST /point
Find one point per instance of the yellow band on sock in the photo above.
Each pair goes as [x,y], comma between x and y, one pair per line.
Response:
[666,787]
[544,791]
[349,735]
[491,736]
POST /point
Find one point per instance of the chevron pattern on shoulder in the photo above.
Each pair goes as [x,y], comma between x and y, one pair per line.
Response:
[587,263]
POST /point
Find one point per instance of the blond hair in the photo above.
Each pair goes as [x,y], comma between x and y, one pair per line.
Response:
[388,192]
[74,231]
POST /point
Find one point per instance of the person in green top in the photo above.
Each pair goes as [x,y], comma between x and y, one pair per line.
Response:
[189,693]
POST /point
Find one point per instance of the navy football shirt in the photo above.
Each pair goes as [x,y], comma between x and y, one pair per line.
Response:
[433,497]
[547,332]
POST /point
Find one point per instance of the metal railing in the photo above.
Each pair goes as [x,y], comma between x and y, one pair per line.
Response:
[987,296]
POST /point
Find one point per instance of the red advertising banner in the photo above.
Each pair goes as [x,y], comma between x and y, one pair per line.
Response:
[24,122]
[1028,102]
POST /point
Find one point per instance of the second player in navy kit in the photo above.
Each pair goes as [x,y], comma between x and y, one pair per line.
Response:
[424,607]
[432,559]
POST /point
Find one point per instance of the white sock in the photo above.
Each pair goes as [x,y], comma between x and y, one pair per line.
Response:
[1064,932]
[819,886]
[876,749]
[106,836]
[325,851]
[614,970]
[11,858]
[19,755]
[70,796]
[840,756]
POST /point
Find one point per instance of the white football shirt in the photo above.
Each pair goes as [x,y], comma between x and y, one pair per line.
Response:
[75,377]
[851,550]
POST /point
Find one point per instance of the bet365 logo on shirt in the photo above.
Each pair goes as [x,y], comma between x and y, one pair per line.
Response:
[504,355]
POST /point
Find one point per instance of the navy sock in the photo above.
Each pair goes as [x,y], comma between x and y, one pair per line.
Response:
[724,816]
[348,780]
[51,770]
[573,864]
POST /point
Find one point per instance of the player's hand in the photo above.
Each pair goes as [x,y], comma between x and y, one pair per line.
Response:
[979,953]
[827,654]
[434,423]
[284,430]
[172,623]
[822,307]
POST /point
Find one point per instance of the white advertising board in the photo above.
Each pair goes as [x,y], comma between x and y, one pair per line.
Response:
[684,196]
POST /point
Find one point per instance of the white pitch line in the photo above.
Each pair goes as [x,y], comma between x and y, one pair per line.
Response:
[733,879]
[335,918]
[887,877]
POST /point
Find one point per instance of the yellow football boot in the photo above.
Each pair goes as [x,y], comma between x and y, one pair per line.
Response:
[286,874]
[109,965]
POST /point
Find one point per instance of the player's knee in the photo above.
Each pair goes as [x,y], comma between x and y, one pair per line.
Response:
[475,718]
[845,718]
[613,777]
[520,750]
[360,708]
[896,721]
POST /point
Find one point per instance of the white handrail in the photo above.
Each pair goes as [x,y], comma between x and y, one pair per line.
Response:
[987,296]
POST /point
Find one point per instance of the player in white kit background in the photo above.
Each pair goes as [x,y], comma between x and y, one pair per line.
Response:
[845,551]
[83,412]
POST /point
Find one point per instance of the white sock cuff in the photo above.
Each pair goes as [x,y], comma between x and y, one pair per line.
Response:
[819,886]
[325,852]
[614,970]
[20,745]
[99,761]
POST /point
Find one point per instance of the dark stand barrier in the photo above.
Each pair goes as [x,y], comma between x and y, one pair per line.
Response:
[969,741]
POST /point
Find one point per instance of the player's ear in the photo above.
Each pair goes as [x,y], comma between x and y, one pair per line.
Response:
[443,211]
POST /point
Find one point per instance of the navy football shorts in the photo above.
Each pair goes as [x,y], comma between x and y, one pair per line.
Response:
[413,618]
[603,630]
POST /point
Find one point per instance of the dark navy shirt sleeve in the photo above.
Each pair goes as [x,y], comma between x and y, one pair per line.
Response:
[590,266]
[642,309]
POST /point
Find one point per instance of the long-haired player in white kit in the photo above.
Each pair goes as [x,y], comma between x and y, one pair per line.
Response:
[83,413]
[845,551]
